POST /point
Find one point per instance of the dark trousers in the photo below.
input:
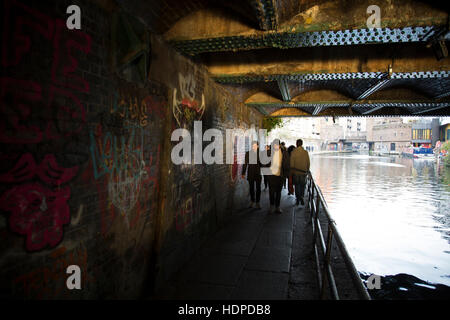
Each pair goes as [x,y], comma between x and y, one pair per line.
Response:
[266,182]
[275,186]
[299,182]
[252,183]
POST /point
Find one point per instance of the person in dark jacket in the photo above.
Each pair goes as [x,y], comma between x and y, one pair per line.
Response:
[290,183]
[299,165]
[277,170]
[253,164]
[266,179]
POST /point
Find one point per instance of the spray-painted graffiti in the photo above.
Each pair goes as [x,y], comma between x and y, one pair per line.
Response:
[24,100]
[189,213]
[125,154]
[122,159]
[187,196]
[39,108]
[50,280]
[38,211]
[129,108]
[186,109]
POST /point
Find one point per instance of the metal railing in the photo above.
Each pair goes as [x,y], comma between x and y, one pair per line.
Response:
[316,202]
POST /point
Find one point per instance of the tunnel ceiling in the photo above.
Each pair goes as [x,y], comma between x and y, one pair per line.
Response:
[303,58]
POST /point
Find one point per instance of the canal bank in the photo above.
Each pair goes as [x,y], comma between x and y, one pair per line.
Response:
[392,214]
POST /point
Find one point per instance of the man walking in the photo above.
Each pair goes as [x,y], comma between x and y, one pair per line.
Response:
[278,170]
[299,168]
[252,162]
[266,179]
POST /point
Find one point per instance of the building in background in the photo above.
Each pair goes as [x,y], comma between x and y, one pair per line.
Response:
[331,134]
[444,132]
[425,133]
[388,135]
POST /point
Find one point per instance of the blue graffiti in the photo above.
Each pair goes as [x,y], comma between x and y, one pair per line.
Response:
[111,153]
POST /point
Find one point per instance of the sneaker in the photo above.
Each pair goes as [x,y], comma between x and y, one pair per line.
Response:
[278,210]
[252,205]
[258,206]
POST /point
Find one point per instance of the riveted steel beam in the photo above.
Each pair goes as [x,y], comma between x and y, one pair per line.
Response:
[240,79]
[445,94]
[437,107]
[287,40]
[378,86]
[364,108]
[317,109]
[284,89]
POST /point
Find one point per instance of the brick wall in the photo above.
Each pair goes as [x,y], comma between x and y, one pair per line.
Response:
[85,170]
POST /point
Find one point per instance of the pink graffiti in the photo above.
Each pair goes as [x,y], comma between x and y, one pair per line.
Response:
[48,171]
[65,75]
[38,213]
[15,37]
[23,100]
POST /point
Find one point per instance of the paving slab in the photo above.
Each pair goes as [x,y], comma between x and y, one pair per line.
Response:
[272,259]
[222,269]
[259,285]
[250,258]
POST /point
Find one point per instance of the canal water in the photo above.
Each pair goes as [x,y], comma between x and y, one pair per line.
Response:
[393,214]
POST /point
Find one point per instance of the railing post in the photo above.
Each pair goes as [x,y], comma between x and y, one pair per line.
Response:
[326,247]
[327,256]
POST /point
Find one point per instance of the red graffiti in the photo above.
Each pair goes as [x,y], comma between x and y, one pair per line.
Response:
[60,112]
[48,171]
[156,106]
[15,36]
[65,75]
[36,211]
[152,177]
[189,213]
[49,281]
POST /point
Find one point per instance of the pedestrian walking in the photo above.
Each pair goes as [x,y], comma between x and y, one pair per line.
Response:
[299,168]
[266,179]
[290,184]
[252,166]
[278,169]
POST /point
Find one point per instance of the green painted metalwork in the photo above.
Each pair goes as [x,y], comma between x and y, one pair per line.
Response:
[287,40]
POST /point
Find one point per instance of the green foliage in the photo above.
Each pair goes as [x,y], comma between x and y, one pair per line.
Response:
[270,123]
[446,146]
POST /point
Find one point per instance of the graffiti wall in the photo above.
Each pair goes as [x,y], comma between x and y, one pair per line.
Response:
[85,171]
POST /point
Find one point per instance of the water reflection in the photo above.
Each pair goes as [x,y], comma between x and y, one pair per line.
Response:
[392,213]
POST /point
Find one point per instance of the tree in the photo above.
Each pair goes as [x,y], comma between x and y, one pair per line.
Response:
[270,123]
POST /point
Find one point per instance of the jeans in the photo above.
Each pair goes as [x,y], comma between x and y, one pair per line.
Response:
[299,182]
[275,186]
[252,189]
